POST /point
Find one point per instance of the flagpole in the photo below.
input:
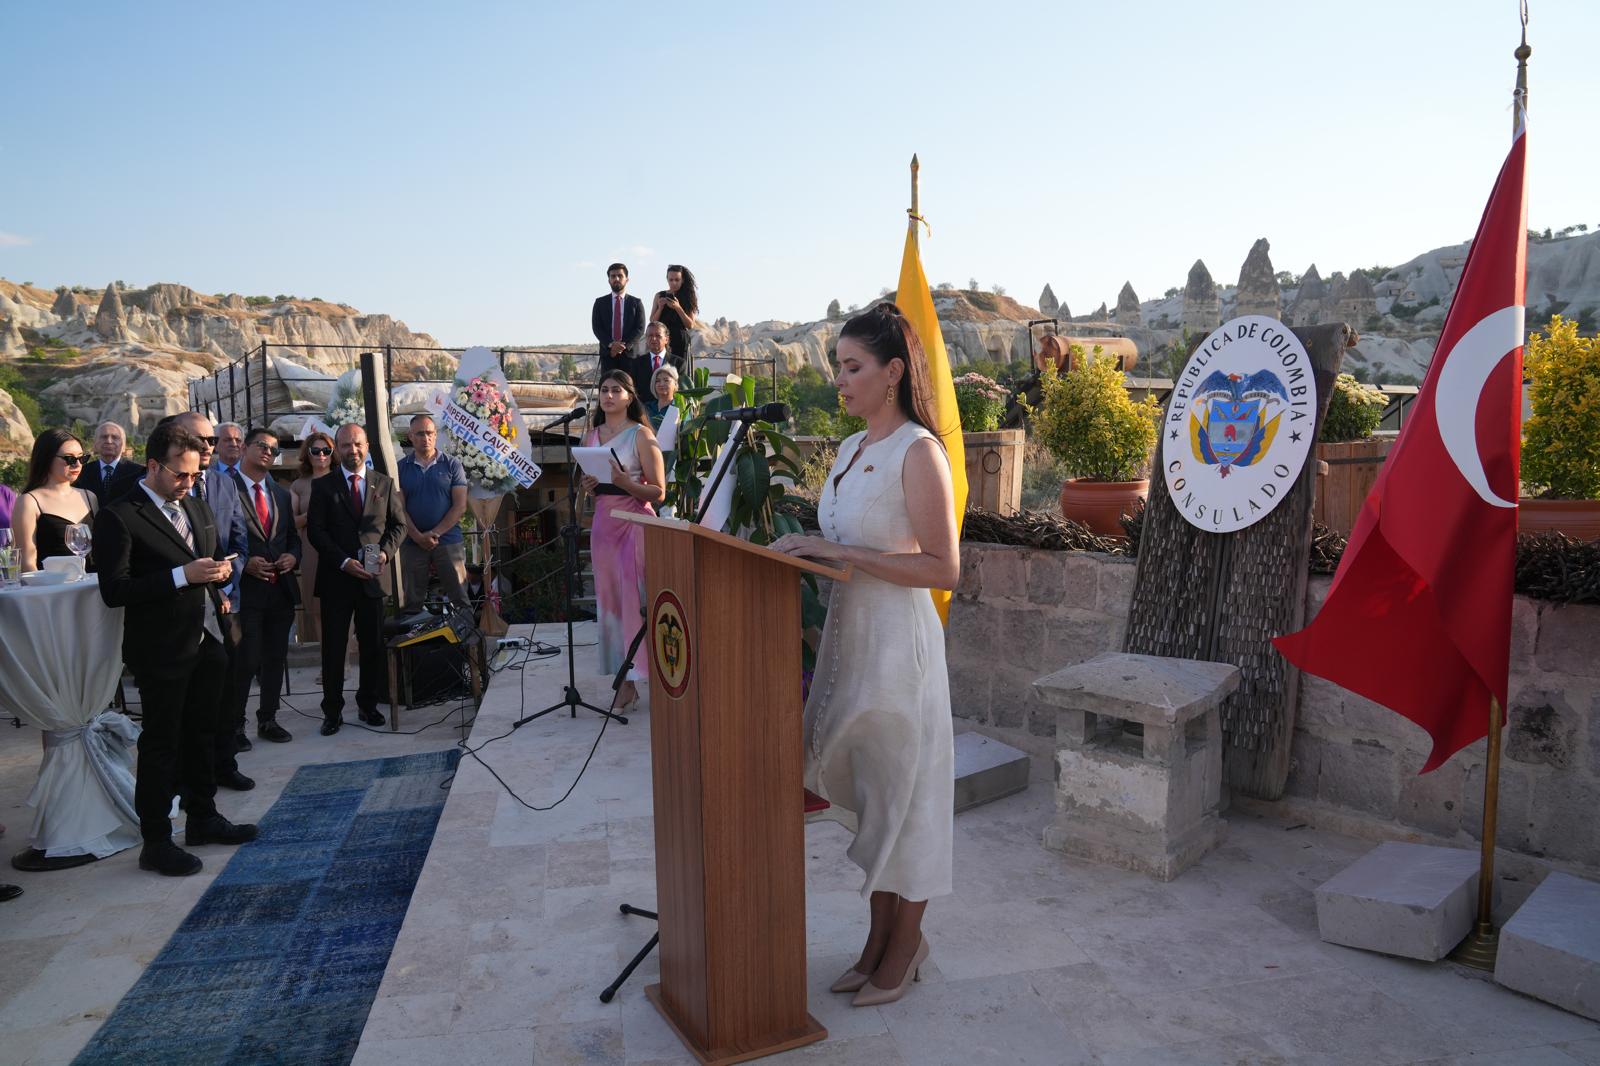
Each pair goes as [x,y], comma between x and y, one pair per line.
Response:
[916,211]
[1481,947]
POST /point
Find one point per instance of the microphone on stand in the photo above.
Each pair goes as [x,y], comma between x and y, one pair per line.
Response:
[767,412]
[577,412]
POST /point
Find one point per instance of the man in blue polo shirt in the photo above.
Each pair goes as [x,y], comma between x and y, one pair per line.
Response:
[435,489]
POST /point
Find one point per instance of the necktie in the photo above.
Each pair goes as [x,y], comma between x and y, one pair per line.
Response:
[655,362]
[616,318]
[263,512]
[356,503]
[180,522]
[200,486]
[105,472]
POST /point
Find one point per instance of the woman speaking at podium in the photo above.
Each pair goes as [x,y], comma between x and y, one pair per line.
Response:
[616,548]
[877,723]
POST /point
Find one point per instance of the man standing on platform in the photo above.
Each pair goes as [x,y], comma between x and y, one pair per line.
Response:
[230,448]
[159,558]
[268,592]
[435,489]
[618,321]
[215,489]
[353,518]
[110,477]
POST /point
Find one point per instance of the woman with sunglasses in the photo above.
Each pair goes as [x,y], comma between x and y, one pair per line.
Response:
[49,503]
[316,460]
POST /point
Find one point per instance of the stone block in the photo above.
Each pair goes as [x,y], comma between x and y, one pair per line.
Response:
[1568,637]
[1027,639]
[971,688]
[972,634]
[1560,819]
[1004,572]
[1081,572]
[970,586]
[1013,699]
[1361,775]
[1047,577]
[1524,629]
[1550,949]
[1433,801]
[1114,593]
[1542,728]
[1513,826]
[986,770]
[1075,636]
[1410,900]
[1305,764]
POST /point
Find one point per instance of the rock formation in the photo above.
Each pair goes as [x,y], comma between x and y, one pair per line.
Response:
[1357,303]
[1101,314]
[833,311]
[15,433]
[12,346]
[65,306]
[1048,304]
[1127,306]
[1201,313]
[109,322]
[1258,292]
[154,387]
[1309,300]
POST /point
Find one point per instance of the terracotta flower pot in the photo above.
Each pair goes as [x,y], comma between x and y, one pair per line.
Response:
[1101,504]
[1578,519]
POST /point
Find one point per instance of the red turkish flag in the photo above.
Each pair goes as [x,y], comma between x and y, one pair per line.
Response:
[1419,614]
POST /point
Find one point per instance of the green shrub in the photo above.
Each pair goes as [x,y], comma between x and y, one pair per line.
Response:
[1561,441]
[1354,411]
[1089,422]
[981,401]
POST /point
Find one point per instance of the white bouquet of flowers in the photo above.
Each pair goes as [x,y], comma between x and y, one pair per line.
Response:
[485,400]
[346,405]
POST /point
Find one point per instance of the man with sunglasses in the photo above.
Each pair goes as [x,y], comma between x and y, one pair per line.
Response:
[268,594]
[160,559]
[217,491]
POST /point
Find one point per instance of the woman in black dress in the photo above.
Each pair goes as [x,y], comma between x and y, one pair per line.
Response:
[49,503]
[676,307]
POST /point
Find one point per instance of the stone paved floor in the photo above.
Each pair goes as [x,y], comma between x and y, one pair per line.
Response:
[1036,958]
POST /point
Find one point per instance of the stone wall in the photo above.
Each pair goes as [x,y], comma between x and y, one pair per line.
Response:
[1020,613]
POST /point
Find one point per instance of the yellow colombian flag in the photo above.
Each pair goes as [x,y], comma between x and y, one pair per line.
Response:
[916,301]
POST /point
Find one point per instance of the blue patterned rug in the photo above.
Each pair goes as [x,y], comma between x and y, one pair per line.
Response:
[280,959]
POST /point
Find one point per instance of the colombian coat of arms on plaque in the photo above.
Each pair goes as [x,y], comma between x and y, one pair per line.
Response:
[1239,425]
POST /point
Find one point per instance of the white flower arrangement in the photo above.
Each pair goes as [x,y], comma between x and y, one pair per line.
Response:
[346,407]
[484,400]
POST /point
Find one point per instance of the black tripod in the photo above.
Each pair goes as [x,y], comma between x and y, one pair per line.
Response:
[740,431]
[570,697]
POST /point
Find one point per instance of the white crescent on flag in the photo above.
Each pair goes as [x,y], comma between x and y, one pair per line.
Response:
[1466,369]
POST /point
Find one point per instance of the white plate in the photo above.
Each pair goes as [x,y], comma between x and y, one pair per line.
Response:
[45,577]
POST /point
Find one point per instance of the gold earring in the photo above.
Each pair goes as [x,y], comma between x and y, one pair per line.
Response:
[889,398]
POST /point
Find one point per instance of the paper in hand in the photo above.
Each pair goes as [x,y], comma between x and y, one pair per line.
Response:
[596,462]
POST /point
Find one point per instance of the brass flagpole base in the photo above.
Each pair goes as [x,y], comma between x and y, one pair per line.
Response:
[1479,949]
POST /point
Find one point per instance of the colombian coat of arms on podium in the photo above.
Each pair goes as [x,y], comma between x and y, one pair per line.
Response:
[1238,427]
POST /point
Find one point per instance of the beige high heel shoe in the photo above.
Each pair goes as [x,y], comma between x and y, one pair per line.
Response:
[873,996]
[850,981]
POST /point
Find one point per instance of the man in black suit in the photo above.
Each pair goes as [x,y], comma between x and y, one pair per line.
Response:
[268,592]
[110,477]
[618,322]
[355,508]
[159,559]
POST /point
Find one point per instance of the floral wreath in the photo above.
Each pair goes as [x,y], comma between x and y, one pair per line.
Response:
[485,400]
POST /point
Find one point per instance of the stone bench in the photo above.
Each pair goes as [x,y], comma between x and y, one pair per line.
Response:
[1550,949]
[1138,760]
[1411,900]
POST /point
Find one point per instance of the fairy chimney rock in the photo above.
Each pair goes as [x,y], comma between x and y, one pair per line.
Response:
[1127,306]
[1357,302]
[109,322]
[64,306]
[1258,292]
[11,343]
[1200,311]
[1309,299]
[1048,304]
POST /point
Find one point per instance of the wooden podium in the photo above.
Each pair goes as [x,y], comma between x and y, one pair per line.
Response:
[726,758]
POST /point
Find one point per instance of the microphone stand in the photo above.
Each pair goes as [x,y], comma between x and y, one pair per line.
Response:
[571,699]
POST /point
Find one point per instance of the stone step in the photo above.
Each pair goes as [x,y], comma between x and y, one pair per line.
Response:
[986,770]
[1550,949]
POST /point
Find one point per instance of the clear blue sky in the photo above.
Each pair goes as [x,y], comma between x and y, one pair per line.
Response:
[471,168]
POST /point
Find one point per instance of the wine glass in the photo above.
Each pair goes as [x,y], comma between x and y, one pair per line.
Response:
[79,539]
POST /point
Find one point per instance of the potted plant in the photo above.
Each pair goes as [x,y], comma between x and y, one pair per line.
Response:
[1351,454]
[1102,438]
[1561,439]
[993,455]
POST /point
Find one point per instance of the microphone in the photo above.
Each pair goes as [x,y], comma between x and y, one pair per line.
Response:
[577,412]
[767,412]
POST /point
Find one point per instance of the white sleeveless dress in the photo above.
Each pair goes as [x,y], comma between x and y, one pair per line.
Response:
[877,723]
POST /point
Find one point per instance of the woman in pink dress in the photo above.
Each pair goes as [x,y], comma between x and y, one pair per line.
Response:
[616,547]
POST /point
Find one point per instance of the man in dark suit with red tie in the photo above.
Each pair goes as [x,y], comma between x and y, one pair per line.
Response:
[353,509]
[159,559]
[268,593]
[618,322]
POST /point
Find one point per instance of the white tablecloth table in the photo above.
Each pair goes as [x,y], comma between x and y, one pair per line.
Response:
[60,660]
